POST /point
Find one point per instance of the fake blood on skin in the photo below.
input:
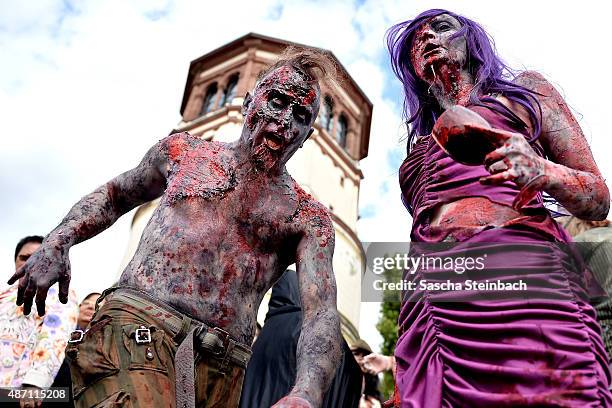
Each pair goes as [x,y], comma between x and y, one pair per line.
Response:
[452,85]
[315,215]
[440,65]
[198,172]
[211,254]
[264,215]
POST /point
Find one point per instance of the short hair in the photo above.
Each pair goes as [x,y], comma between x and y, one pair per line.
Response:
[30,238]
[370,388]
[90,295]
[316,63]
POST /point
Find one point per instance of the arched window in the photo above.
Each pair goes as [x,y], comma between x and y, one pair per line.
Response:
[230,90]
[208,104]
[341,129]
[326,117]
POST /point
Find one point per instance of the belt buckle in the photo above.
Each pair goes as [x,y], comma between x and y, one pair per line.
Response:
[223,336]
[142,335]
[79,338]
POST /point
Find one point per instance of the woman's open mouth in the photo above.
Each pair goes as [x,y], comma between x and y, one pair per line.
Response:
[273,141]
[431,49]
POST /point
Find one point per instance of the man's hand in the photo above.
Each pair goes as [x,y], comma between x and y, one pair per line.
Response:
[91,215]
[319,347]
[48,265]
[292,402]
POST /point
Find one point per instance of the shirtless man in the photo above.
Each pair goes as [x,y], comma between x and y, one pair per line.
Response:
[230,221]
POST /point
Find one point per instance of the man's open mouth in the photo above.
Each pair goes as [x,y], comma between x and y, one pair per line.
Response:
[273,141]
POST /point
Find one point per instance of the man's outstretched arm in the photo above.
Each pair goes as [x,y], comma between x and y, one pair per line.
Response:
[91,215]
[319,346]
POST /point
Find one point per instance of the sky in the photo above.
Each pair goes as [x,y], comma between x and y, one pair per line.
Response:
[87,86]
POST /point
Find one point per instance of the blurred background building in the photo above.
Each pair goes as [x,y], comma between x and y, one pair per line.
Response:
[327,166]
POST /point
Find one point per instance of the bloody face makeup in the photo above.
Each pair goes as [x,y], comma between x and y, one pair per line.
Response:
[280,115]
[433,46]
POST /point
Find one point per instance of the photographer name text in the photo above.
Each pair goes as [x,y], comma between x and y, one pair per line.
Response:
[468,285]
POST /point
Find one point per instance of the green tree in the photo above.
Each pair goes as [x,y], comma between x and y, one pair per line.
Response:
[387,326]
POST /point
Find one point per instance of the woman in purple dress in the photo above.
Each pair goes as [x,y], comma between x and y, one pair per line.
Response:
[510,350]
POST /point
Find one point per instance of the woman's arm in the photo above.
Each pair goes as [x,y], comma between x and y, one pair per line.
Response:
[570,175]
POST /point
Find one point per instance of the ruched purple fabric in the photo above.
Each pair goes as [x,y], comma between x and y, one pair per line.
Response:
[537,351]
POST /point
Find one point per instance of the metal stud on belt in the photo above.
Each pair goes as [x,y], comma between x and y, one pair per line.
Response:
[142,335]
[76,336]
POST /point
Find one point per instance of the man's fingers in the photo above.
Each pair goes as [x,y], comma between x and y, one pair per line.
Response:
[41,297]
[17,275]
[64,288]
[28,297]
[23,284]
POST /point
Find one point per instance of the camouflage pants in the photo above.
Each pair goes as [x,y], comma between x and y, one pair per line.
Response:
[110,368]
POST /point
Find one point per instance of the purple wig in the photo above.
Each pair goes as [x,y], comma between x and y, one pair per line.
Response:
[491,76]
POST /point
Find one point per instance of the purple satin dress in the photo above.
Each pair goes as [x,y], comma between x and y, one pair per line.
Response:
[496,353]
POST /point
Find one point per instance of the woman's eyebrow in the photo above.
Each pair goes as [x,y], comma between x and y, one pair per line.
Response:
[443,18]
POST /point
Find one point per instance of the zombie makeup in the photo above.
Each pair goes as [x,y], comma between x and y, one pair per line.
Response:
[435,44]
[280,115]
[438,56]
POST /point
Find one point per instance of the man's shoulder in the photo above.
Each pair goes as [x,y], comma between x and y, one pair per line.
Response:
[310,212]
[178,144]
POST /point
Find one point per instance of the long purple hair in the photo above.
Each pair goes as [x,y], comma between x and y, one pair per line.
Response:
[491,76]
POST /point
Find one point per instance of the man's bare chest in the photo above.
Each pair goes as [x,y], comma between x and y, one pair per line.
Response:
[209,193]
[202,174]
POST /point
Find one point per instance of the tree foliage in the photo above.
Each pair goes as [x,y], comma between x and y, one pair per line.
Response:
[387,326]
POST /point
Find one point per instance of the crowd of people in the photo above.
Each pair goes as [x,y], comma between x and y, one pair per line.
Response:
[484,148]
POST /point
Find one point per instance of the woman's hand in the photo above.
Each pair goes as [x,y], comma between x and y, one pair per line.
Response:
[514,161]
[469,139]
